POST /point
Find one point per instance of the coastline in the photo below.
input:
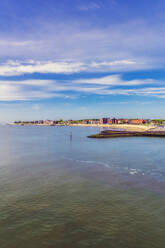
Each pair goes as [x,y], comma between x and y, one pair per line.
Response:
[126,127]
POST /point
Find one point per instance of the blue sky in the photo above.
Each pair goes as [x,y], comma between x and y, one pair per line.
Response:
[82,59]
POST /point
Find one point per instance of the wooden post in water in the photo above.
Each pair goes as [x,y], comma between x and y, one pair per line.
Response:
[71,137]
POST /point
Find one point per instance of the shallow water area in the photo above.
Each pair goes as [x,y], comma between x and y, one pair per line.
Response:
[58,192]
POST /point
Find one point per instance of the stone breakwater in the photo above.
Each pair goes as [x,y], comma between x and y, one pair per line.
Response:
[124,133]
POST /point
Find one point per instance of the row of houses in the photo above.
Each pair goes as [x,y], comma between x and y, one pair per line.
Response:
[45,122]
[123,121]
[91,122]
[101,121]
[40,122]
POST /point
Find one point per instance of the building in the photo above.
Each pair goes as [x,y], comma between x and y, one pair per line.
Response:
[94,122]
[110,121]
[104,121]
[114,121]
[49,122]
[123,121]
[40,122]
[85,121]
[137,121]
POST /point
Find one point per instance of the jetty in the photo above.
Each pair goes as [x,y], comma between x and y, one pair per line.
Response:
[124,133]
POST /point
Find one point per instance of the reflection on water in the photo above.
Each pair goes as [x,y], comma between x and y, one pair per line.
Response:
[60,192]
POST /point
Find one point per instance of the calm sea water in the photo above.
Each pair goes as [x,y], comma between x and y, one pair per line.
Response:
[61,193]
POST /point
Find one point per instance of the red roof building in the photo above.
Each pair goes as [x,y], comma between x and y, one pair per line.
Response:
[137,121]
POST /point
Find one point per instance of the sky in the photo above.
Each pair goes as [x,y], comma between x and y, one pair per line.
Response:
[75,59]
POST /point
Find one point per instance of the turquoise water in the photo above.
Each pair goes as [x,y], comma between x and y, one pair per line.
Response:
[56,192]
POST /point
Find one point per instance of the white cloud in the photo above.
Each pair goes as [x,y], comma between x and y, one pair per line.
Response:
[23,90]
[15,43]
[113,63]
[115,80]
[152,92]
[16,67]
[90,6]
[131,45]
[12,68]
[26,90]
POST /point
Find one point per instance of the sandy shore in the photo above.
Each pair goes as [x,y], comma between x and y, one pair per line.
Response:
[127,127]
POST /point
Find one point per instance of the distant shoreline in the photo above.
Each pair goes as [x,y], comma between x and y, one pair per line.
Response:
[126,127]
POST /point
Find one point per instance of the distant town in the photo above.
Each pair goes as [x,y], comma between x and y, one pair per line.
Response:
[101,121]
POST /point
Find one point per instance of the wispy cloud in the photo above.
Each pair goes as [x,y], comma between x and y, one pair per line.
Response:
[12,68]
[90,6]
[115,80]
[151,92]
[114,47]
[113,63]
[16,67]
[26,90]
[19,43]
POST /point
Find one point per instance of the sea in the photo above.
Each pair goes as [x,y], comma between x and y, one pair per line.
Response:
[61,189]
